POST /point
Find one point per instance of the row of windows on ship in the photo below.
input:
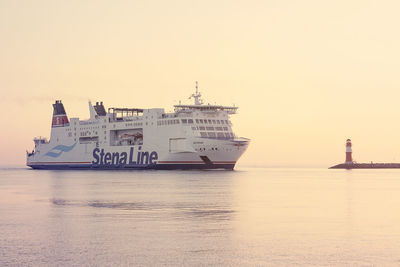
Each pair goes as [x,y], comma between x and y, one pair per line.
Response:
[217,135]
[191,121]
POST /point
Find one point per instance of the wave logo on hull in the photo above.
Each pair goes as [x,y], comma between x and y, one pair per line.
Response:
[56,151]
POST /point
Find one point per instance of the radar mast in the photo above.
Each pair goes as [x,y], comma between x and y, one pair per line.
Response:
[197,96]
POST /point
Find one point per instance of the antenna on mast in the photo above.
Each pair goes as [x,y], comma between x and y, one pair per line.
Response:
[197,95]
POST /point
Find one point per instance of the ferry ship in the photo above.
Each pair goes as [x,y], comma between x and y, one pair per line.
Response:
[195,136]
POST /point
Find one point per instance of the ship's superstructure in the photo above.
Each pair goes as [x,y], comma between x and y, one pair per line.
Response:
[194,136]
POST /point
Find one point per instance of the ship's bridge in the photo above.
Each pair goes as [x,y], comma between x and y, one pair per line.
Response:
[198,105]
[205,108]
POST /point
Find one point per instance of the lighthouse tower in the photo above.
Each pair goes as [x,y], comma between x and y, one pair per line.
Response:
[349,158]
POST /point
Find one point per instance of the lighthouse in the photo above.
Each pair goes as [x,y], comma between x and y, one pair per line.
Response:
[350,164]
[349,158]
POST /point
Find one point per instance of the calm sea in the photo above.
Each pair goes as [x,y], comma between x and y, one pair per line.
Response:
[247,217]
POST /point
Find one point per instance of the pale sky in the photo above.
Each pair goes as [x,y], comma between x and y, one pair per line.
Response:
[306,74]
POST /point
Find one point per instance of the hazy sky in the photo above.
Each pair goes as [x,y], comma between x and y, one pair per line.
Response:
[306,74]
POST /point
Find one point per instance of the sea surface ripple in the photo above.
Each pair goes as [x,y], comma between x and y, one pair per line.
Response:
[247,217]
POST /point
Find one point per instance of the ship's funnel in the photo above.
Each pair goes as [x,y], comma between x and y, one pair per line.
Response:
[60,118]
[100,110]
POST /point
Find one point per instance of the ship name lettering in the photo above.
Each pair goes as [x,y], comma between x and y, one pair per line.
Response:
[102,158]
